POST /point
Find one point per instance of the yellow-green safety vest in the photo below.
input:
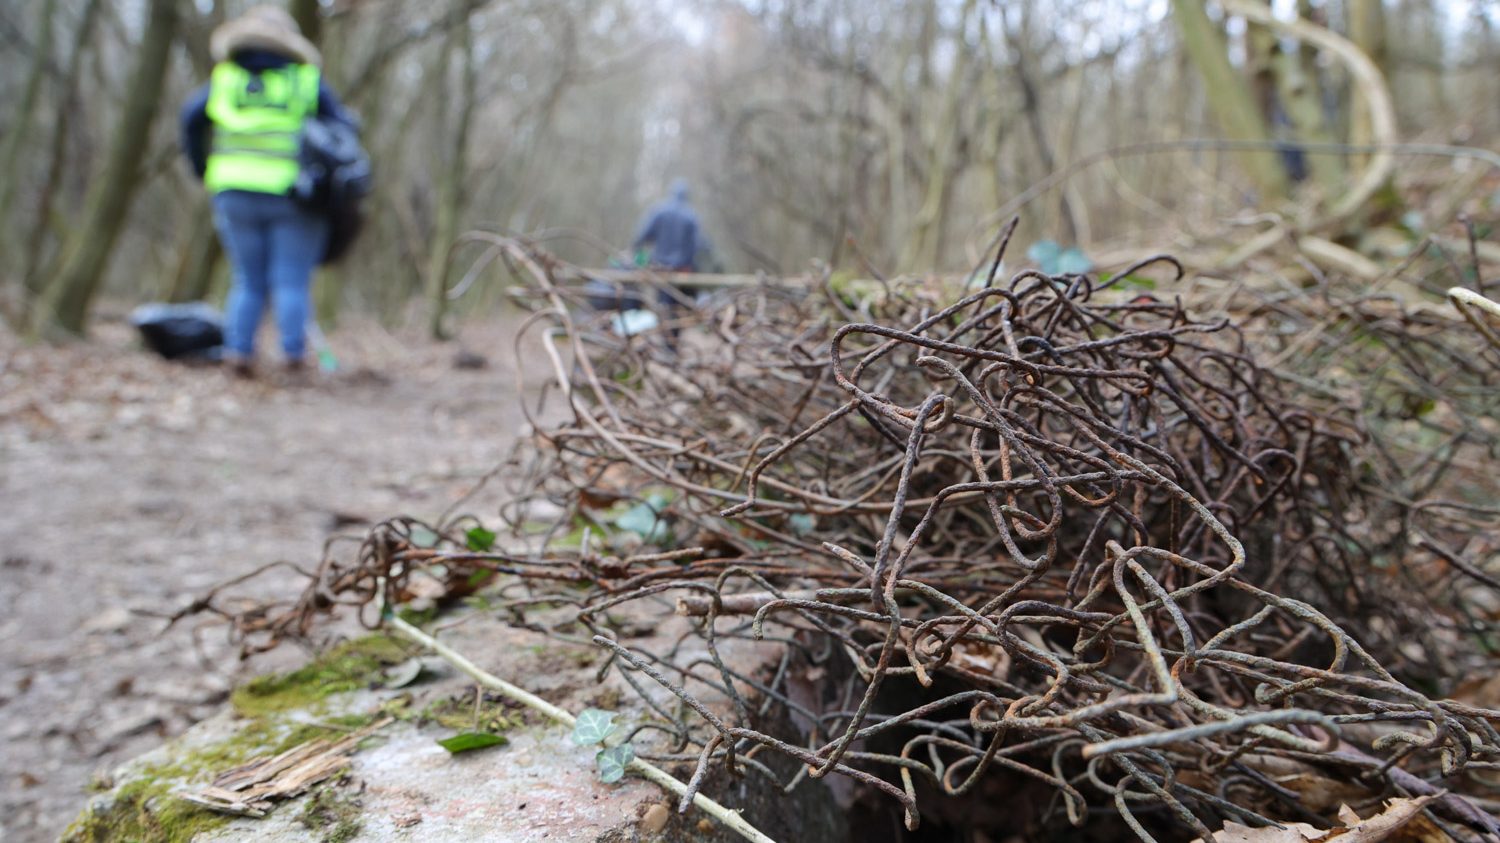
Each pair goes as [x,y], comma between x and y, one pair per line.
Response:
[258,121]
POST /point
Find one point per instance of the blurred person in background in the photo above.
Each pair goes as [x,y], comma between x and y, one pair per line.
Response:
[241,133]
[672,230]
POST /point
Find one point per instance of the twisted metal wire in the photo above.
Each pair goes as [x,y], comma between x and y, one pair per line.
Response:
[1045,531]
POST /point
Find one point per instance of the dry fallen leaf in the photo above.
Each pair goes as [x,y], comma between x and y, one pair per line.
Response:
[1389,825]
[984,659]
[1483,691]
[1292,833]
[1384,825]
[1321,794]
[1424,830]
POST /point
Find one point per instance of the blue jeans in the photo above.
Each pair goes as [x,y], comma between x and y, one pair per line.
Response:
[274,245]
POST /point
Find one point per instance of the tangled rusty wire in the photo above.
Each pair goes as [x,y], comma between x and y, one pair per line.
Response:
[1046,533]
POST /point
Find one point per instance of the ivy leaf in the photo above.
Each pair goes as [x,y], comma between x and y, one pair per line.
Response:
[1136,282]
[1045,253]
[468,741]
[1055,260]
[479,539]
[403,674]
[1072,261]
[613,761]
[642,519]
[593,726]
[645,518]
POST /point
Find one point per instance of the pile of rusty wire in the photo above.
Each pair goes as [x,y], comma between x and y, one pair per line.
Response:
[1411,546]
[1047,534]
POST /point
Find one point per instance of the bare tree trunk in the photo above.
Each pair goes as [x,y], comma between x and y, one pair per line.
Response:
[905,133]
[1367,31]
[328,291]
[16,134]
[66,301]
[199,257]
[927,236]
[450,197]
[1487,88]
[1031,105]
[307,15]
[1302,99]
[193,30]
[1371,85]
[1228,94]
[1261,49]
[201,252]
[393,288]
[57,145]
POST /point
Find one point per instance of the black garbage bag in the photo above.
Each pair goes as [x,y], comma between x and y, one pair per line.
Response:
[334,180]
[193,331]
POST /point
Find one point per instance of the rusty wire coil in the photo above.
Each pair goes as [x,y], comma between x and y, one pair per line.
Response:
[1044,532]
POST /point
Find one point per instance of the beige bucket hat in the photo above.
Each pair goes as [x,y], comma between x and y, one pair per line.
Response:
[268,28]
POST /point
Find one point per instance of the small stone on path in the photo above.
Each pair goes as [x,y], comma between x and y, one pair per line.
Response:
[655,818]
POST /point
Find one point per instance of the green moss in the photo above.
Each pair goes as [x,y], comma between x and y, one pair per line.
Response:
[146,808]
[421,617]
[142,811]
[495,715]
[347,667]
[334,813]
[608,699]
[268,736]
[343,832]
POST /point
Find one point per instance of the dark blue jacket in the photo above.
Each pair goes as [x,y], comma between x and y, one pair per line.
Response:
[194,119]
[674,234]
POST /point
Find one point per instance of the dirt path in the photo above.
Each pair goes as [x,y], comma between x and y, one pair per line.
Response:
[129,485]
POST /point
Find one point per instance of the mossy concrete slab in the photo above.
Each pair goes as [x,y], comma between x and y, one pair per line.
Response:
[539,787]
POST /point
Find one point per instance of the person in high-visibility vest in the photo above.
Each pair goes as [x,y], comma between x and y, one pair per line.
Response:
[242,134]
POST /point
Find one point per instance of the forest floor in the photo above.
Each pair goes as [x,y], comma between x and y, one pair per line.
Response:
[130,485]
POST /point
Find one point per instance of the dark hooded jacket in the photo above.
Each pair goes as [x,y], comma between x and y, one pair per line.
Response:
[196,127]
[673,231]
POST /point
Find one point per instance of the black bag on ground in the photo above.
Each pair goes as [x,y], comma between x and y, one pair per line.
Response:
[192,331]
[334,181]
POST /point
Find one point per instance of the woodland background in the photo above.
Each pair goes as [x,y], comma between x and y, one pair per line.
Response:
[858,135]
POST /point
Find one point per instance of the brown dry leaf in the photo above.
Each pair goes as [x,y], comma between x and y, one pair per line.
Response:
[1385,825]
[1423,830]
[1320,794]
[1292,833]
[981,658]
[1395,824]
[1483,691]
